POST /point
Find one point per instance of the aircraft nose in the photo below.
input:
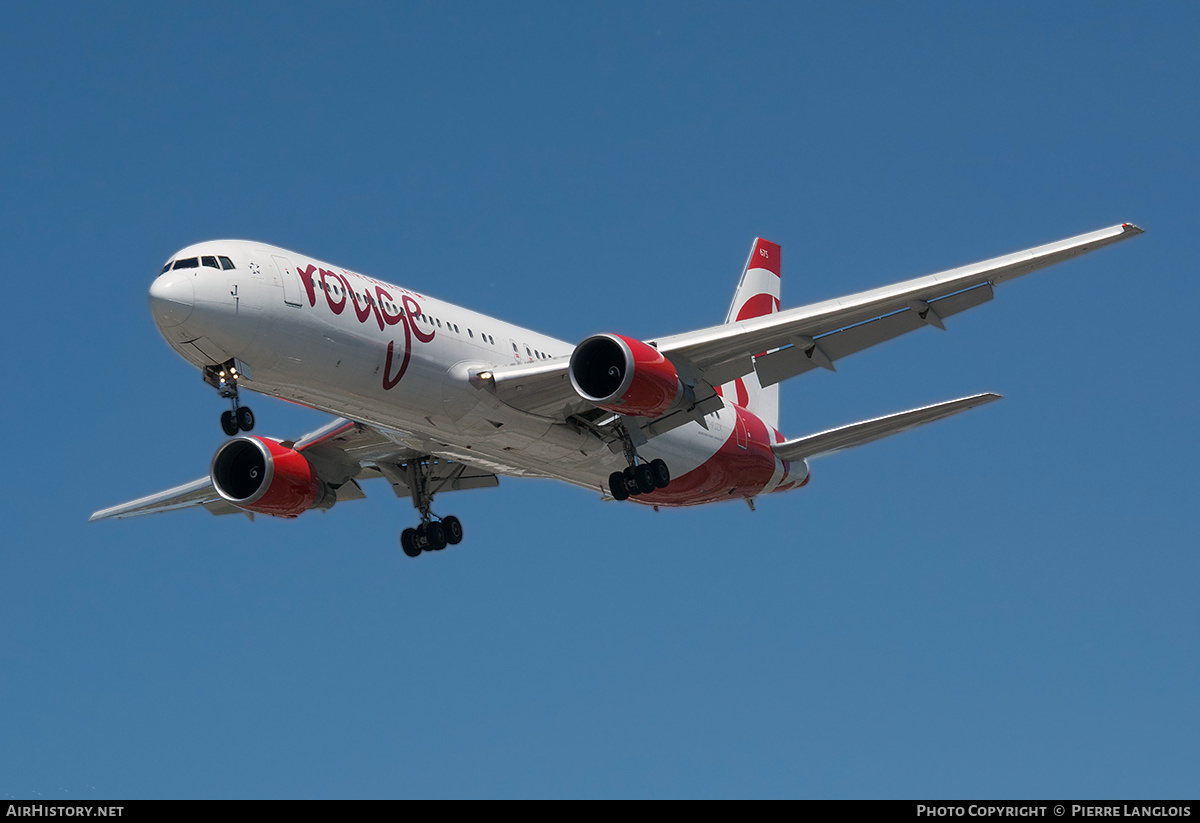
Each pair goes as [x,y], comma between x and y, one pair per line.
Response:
[172,297]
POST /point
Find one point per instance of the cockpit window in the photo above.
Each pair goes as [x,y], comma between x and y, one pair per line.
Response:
[209,260]
[166,268]
[187,263]
[226,263]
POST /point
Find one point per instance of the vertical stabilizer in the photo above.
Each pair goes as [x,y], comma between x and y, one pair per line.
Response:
[757,295]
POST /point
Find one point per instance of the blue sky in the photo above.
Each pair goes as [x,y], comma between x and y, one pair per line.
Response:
[998,605]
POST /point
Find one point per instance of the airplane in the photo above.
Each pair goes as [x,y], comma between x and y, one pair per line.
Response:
[436,398]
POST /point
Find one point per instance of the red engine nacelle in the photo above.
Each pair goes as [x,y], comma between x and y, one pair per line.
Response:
[266,477]
[623,375]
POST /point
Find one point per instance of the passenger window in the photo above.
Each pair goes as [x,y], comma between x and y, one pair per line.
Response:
[470,333]
[226,263]
[187,263]
[209,261]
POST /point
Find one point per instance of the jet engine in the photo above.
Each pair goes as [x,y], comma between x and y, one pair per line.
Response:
[623,375]
[266,477]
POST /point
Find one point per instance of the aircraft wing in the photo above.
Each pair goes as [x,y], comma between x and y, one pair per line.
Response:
[785,344]
[342,453]
[788,343]
[197,493]
[541,388]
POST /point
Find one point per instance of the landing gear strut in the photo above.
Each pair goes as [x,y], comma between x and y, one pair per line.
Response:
[224,378]
[431,535]
[640,477]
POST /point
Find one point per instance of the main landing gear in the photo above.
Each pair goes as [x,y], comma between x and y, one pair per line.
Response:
[224,378]
[640,477]
[431,535]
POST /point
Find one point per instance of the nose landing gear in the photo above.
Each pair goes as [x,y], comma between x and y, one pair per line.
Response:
[224,378]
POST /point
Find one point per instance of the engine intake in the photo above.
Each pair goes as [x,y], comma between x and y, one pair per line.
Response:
[266,477]
[623,375]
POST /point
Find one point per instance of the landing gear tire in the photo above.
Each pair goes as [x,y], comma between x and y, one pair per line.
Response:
[408,542]
[228,423]
[662,475]
[435,533]
[616,485]
[245,418]
[643,475]
[453,529]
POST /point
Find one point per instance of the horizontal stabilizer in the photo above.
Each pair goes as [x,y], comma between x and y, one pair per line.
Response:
[857,434]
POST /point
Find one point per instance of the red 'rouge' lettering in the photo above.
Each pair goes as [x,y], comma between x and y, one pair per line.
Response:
[406,316]
[363,312]
[413,310]
[383,298]
[340,305]
[390,382]
[306,277]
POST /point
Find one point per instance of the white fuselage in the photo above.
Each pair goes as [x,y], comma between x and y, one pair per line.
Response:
[400,360]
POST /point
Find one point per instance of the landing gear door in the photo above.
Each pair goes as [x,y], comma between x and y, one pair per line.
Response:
[291,281]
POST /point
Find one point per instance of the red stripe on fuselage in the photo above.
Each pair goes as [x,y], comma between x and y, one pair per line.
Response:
[732,473]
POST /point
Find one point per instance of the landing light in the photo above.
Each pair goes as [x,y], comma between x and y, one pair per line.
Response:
[481,379]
